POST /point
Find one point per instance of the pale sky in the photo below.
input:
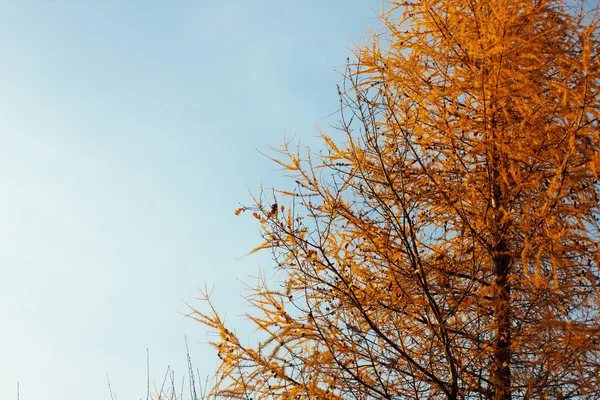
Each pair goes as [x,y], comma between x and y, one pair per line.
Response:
[129,132]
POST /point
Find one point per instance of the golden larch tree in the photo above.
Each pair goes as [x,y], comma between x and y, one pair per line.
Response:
[445,244]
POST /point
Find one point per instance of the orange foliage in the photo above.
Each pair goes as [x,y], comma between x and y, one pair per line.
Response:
[448,247]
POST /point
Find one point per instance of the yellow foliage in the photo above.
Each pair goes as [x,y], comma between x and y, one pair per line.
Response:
[447,246]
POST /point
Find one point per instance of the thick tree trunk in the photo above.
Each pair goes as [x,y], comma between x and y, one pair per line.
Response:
[500,374]
[502,339]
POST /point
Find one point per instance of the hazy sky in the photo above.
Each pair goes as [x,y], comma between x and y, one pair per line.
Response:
[129,132]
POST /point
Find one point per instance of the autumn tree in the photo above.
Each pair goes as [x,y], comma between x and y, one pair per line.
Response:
[445,242]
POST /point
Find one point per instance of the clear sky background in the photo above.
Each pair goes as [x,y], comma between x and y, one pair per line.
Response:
[129,132]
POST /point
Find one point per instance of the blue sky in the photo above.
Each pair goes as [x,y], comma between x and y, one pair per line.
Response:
[129,132]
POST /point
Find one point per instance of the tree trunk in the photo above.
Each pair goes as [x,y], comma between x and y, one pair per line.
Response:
[502,338]
[500,373]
